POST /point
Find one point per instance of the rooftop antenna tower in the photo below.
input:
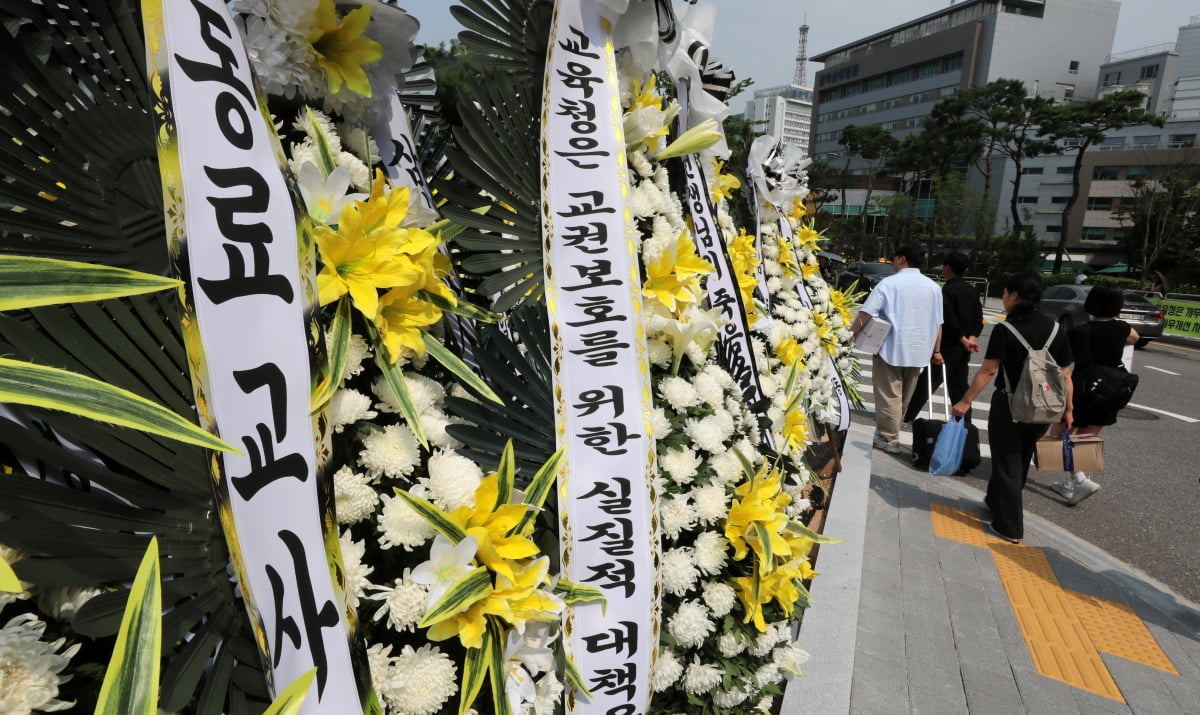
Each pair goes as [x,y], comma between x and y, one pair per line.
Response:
[800,78]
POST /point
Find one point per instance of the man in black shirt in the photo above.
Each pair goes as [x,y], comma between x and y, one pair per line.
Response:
[962,322]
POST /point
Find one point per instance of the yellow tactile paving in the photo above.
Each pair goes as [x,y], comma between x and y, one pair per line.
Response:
[1063,630]
[959,525]
[1057,639]
[1116,629]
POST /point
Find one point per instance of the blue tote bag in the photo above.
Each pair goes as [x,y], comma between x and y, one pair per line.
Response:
[948,452]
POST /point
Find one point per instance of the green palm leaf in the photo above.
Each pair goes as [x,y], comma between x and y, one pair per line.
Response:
[29,282]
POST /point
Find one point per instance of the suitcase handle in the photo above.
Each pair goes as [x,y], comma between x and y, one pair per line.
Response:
[945,392]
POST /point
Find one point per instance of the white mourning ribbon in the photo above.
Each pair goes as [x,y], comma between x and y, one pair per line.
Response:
[245,324]
[609,535]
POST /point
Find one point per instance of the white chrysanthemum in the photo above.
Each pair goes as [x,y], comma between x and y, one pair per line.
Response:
[658,352]
[679,571]
[691,624]
[63,602]
[354,499]
[711,552]
[768,639]
[767,674]
[729,698]
[730,645]
[403,602]
[709,389]
[709,433]
[356,571]
[641,165]
[720,598]
[434,423]
[643,200]
[400,526]
[701,678]
[765,705]
[677,514]
[711,503]
[347,407]
[681,464]
[30,667]
[678,393]
[425,679]
[660,424]
[379,663]
[727,467]
[453,479]
[426,394]
[392,451]
[549,695]
[357,351]
[667,671]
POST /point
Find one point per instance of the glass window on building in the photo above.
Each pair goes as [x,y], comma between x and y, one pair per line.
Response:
[899,76]
[1027,199]
[1181,141]
[1054,229]
[876,83]
[1148,72]
[1137,172]
[1073,67]
[1091,233]
[1059,199]
[850,90]
[951,64]
[1146,141]
[929,69]
[1099,203]
[1111,78]
[1106,173]
[1112,144]
[1032,170]
[1068,170]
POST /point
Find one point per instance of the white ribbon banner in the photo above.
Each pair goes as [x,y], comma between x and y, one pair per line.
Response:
[601,372]
[398,153]
[839,389]
[251,367]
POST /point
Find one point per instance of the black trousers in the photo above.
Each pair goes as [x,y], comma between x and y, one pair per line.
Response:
[1013,444]
[958,366]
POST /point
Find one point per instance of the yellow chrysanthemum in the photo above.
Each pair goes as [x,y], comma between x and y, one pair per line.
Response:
[724,184]
[341,48]
[673,278]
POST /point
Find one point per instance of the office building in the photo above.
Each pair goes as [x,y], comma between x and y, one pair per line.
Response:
[787,113]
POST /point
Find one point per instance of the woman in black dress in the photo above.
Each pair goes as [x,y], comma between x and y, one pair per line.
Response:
[1102,341]
[1013,443]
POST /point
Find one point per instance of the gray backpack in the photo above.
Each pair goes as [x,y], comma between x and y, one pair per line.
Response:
[1040,395]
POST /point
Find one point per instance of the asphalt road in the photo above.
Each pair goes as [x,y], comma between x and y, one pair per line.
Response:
[1147,512]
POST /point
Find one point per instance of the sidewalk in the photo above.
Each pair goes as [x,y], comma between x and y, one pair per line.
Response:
[921,611]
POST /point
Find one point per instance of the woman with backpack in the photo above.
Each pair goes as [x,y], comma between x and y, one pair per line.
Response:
[1098,348]
[1010,360]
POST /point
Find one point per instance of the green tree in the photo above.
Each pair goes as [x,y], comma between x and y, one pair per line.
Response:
[871,143]
[740,133]
[1160,216]
[990,121]
[960,209]
[1082,125]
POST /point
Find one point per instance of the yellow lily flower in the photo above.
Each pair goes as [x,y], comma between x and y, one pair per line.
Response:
[490,523]
[674,276]
[341,48]
[841,304]
[400,321]
[468,625]
[809,238]
[724,183]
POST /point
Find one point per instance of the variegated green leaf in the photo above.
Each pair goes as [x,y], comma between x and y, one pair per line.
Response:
[462,307]
[571,592]
[26,383]
[292,698]
[29,282]
[747,466]
[451,362]
[328,163]
[574,677]
[434,516]
[505,474]
[131,681]
[796,527]
[9,583]
[475,670]
[538,489]
[395,379]
[764,537]
[339,349]
[790,383]
[494,642]
[472,587]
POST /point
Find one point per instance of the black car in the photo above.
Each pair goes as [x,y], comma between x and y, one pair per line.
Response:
[1064,303]
[868,274]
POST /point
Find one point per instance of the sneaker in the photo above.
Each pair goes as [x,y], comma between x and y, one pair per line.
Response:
[1065,488]
[1009,539]
[1083,490]
[891,447]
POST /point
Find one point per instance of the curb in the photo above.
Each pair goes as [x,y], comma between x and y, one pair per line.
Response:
[829,629]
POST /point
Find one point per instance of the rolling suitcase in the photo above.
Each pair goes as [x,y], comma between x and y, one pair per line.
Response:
[926,431]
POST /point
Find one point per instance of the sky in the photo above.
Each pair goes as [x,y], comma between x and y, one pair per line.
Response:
[759,39]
